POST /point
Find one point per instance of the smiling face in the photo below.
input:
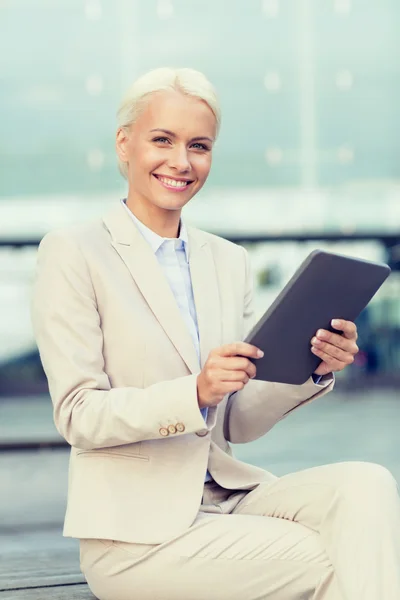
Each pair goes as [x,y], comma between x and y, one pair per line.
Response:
[168,152]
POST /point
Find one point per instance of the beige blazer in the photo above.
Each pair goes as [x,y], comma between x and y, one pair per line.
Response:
[122,372]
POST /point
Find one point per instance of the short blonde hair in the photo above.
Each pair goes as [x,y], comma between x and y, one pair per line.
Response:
[188,81]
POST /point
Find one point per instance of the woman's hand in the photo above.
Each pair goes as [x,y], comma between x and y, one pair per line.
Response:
[226,370]
[336,351]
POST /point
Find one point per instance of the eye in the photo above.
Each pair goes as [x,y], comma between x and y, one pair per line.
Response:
[200,146]
[161,140]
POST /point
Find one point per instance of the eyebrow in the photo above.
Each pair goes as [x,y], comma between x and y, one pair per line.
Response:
[172,134]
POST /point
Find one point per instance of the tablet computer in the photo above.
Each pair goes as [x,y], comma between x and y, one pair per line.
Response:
[326,286]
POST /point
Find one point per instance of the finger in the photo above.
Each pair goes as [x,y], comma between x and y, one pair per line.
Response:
[238,363]
[240,349]
[333,363]
[323,369]
[348,327]
[228,387]
[334,352]
[235,364]
[323,336]
[216,365]
[234,376]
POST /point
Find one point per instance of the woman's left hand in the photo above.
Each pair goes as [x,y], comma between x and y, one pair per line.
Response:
[336,351]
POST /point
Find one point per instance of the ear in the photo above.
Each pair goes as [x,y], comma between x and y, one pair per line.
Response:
[121,144]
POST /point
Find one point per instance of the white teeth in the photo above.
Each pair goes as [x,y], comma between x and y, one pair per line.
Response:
[173,182]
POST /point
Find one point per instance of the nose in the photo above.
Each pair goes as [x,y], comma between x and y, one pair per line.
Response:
[179,159]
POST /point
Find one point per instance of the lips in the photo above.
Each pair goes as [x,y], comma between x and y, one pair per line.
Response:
[172,183]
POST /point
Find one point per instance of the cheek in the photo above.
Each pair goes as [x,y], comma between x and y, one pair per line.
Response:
[146,160]
[202,165]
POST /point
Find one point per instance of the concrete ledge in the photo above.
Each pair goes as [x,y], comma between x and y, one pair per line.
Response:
[32,560]
[58,592]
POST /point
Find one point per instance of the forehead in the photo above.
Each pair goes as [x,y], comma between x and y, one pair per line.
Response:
[178,113]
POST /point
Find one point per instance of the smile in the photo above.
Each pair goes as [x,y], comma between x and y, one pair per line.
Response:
[177,185]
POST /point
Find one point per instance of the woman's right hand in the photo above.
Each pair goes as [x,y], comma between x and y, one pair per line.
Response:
[227,370]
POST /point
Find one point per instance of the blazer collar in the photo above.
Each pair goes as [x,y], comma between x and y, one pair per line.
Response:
[153,238]
[149,277]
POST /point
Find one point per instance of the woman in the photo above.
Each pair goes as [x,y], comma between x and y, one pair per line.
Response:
[138,320]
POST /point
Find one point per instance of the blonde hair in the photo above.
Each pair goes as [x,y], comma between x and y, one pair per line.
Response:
[187,81]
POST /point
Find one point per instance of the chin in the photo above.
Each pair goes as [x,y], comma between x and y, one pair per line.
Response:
[175,203]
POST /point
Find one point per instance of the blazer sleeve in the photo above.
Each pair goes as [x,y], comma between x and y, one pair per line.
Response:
[255,409]
[88,412]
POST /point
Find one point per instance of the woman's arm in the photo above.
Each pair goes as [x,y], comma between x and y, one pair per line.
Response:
[88,413]
[253,411]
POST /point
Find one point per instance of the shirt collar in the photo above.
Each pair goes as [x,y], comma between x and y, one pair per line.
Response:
[154,240]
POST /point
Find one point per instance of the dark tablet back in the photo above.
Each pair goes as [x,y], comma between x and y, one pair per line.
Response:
[325,287]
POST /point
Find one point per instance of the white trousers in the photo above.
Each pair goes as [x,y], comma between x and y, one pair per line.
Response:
[326,533]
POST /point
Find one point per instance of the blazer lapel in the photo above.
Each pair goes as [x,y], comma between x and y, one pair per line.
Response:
[148,275]
[206,292]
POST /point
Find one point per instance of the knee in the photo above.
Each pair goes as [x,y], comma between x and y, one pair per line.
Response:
[367,476]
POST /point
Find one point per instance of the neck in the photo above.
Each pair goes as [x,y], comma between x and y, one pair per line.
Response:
[163,222]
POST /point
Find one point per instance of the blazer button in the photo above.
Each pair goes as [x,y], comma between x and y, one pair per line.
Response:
[202,432]
[164,432]
[172,428]
[180,427]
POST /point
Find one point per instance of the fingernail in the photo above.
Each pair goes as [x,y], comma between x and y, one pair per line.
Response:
[335,323]
[314,340]
[260,353]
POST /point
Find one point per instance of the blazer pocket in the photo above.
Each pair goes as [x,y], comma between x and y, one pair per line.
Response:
[116,452]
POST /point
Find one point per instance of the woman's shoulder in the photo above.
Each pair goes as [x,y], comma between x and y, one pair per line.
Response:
[75,234]
[70,242]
